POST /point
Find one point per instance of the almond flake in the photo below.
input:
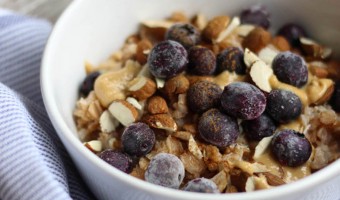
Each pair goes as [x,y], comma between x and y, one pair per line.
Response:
[244,29]
[260,74]
[158,24]
[94,145]
[262,146]
[134,102]
[160,83]
[123,111]
[268,54]
[235,22]
[193,148]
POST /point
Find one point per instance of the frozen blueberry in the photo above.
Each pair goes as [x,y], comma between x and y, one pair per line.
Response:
[166,170]
[291,148]
[243,100]
[292,32]
[218,128]
[138,139]
[88,83]
[186,34]
[202,61]
[257,15]
[203,95]
[231,59]
[290,68]
[259,128]
[167,59]
[335,100]
[117,159]
[283,105]
[202,185]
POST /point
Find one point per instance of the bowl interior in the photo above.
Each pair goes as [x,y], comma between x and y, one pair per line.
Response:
[92,30]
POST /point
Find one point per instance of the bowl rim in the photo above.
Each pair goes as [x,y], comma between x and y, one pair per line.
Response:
[67,136]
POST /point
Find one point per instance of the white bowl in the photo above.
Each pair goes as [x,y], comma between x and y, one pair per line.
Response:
[91,30]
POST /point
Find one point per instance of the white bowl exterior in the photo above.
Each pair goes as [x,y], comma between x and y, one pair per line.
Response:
[91,30]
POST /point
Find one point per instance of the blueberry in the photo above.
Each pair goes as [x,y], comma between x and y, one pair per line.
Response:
[335,100]
[88,83]
[283,105]
[243,100]
[257,15]
[259,128]
[292,32]
[218,128]
[117,159]
[203,95]
[138,139]
[290,68]
[291,148]
[186,34]
[202,61]
[167,59]
[202,185]
[166,170]
[231,59]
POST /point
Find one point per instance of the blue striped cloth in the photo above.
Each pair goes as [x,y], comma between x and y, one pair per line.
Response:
[34,164]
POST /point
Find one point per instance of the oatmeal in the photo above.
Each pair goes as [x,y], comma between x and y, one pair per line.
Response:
[216,105]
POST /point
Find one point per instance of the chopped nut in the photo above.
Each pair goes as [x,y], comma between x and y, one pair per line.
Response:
[281,43]
[107,122]
[250,184]
[193,165]
[193,79]
[200,21]
[111,86]
[143,163]
[176,85]
[315,50]
[193,148]
[262,146]
[183,135]
[174,145]
[160,82]
[129,115]
[138,173]
[142,87]
[257,39]
[320,90]
[161,121]
[142,46]
[157,105]
[180,107]
[222,179]
[94,145]
[273,179]
[192,128]
[158,24]
[318,69]
[178,17]
[215,27]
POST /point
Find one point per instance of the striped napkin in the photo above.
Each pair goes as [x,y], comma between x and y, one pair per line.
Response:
[34,164]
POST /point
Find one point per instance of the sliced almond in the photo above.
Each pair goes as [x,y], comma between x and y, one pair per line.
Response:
[161,121]
[318,69]
[135,103]
[250,184]
[262,146]
[222,179]
[183,135]
[268,54]
[142,87]
[260,73]
[244,29]
[160,83]
[158,23]
[250,58]
[235,22]
[107,122]
[94,145]
[111,86]
[193,148]
[123,111]
[313,49]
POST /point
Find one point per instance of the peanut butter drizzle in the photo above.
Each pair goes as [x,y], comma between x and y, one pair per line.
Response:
[288,174]
[226,77]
